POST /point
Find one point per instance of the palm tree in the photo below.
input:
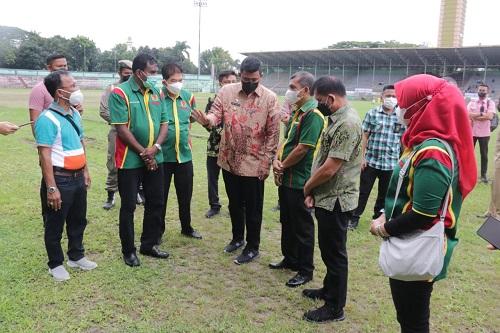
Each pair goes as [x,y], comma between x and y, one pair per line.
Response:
[180,50]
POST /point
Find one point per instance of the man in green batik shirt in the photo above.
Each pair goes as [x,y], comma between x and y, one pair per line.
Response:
[333,191]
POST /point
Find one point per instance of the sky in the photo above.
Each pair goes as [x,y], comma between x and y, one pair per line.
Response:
[251,25]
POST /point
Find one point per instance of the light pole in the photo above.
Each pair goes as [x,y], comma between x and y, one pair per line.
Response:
[199,4]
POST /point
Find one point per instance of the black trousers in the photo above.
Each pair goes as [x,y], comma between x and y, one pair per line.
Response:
[73,211]
[246,198]
[412,302]
[152,183]
[367,179]
[297,230]
[332,237]
[213,171]
[183,182]
[483,151]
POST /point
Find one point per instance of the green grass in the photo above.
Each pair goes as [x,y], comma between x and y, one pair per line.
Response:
[199,289]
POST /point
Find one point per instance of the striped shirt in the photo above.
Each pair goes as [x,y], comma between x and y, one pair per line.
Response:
[54,130]
[384,140]
[424,188]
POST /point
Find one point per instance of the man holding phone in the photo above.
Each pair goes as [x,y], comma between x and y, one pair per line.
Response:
[7,128]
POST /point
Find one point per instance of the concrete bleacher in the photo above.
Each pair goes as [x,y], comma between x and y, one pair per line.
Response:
[278,82]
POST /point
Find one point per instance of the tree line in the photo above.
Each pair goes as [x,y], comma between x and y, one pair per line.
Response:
[28,50]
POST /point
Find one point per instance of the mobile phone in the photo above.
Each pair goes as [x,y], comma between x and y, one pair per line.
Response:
[490,231]
[28,123]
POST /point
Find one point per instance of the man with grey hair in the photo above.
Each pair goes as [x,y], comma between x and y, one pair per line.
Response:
[292,169]
[124,71]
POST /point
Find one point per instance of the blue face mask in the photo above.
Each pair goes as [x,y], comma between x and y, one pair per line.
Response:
[149,82]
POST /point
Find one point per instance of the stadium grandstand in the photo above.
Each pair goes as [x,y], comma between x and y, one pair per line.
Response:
[366,71]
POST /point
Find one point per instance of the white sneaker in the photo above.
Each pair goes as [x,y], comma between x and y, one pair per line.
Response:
[59,273]
[83,264]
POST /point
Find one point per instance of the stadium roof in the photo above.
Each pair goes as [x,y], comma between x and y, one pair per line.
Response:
[477,56]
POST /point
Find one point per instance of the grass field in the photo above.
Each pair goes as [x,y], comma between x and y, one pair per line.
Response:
[199,289]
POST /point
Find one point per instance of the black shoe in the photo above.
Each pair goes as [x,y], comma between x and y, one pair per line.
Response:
[353,223]
[484,180]
[313,294]
[276,208]
[155,252]
[298,280]
[324,314]
[212,212]
[233,246]
[283,264]
[140,200]
[192,234]
[246,256]
[110,202]
[131,260]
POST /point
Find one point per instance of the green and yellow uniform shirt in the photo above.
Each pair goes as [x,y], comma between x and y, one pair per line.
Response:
[143,114]
[177,146]
[304,127]
[424,188]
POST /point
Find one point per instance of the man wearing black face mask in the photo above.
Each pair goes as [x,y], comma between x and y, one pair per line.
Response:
[481,112]
[333,190]
[124,71]
[250,116]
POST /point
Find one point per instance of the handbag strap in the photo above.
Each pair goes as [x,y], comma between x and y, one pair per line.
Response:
[407,164]
[68,118]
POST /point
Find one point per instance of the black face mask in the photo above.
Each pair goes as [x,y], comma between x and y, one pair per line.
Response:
[249,87]
[324,109]
[481,94]
[125,78]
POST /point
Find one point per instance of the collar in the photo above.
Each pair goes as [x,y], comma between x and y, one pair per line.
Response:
[258,91]
[381,110]
[55,106]
[309,104]
[133,85]
[339,112]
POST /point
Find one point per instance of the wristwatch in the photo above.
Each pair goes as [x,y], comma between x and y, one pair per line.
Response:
[51,189]
[157,145]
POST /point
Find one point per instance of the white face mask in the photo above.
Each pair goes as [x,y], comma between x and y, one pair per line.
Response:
[76,97]
[401,112]
[390,102]
[401,116]
[292,96]
[174,88]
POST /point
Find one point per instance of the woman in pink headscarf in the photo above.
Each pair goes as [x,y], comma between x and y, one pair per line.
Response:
[432,109]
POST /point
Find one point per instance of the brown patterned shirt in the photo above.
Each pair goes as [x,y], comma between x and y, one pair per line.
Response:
[251,129]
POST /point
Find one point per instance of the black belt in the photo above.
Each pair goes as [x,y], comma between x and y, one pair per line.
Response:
[58,171]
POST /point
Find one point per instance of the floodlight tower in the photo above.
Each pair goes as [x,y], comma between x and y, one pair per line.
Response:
[199,4]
